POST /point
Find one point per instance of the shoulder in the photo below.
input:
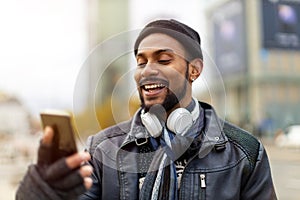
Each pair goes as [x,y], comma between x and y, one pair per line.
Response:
[245,141]
[115,133]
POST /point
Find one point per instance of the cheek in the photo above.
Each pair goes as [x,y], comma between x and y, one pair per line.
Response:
[177,78]
[176,85]
[137,76]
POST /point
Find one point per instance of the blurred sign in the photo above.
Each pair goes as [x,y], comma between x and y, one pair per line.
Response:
[281,24]
[229,38]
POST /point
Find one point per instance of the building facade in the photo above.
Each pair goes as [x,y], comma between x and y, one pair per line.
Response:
[256,46]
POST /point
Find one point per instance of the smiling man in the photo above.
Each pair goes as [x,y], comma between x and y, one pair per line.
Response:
[163,75]
[174,147]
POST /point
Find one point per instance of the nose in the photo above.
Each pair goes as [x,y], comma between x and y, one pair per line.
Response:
[149,70]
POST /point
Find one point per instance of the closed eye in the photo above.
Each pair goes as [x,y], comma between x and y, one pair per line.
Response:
[141,64]
[164,62]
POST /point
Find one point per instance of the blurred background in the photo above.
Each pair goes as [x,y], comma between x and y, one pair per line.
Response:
[52,55]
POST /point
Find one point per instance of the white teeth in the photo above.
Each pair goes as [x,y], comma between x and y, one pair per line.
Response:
[153,86]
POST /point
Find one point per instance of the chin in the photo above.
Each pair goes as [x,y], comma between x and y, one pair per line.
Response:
[147,103]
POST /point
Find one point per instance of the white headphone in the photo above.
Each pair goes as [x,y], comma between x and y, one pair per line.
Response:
[179,120]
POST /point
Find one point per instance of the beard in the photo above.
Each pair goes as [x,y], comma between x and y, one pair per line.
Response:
[171,99]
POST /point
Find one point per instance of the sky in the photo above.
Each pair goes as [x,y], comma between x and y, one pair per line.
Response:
[43,44]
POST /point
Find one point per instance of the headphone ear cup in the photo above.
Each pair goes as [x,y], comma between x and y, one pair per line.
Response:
[152,124]
[179,120]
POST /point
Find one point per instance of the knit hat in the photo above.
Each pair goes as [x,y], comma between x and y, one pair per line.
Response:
[184,34]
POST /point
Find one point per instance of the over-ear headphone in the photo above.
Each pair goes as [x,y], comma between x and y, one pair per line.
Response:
[179,120]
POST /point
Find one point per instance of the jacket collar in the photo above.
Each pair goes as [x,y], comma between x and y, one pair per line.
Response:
[212,135]
[137,131]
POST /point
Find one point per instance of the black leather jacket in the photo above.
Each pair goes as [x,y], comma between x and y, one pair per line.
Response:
[231,163]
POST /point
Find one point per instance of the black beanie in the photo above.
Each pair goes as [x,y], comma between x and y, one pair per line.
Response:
[184,34]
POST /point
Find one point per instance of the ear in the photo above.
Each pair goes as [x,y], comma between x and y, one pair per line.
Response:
[195,69]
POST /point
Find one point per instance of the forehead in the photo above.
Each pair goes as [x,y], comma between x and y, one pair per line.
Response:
[157,41]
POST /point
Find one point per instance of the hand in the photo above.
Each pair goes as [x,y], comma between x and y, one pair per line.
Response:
[69,176]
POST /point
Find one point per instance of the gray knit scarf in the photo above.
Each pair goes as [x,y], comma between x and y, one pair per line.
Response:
[161,179]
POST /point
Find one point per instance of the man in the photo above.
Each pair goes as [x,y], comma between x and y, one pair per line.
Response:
[174,147]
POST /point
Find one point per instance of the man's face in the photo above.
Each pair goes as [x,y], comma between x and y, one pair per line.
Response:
[161,71]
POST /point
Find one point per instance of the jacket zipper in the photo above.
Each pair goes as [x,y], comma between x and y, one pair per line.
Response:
[202,181]
[202,186]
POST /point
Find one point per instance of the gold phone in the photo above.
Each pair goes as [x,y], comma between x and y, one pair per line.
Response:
[64,135]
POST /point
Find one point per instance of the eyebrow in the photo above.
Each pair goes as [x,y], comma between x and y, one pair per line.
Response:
[157,52]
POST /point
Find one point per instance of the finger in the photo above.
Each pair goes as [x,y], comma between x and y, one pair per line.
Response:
[77,159]
[67,182]
[45,148]
[44,155]
[64,166]
[73,193]
[57,170]
[86,171]
[88,182]
[48,136]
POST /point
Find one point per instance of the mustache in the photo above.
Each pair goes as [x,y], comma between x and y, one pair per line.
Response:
[152,80]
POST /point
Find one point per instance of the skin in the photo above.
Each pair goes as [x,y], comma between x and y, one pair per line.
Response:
[160,59]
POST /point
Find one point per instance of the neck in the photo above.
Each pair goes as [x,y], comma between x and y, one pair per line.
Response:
[186,102]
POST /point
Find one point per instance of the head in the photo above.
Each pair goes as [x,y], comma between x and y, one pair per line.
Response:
[169,59]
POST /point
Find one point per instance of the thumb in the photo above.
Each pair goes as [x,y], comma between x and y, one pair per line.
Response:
[46,147]
[48,136]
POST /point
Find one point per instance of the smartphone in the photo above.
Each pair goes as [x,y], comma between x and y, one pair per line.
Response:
[64,142]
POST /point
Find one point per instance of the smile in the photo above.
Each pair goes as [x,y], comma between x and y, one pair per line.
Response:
[153,89]
[154,86]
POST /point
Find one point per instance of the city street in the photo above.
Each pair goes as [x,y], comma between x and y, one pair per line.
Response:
[285,164]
